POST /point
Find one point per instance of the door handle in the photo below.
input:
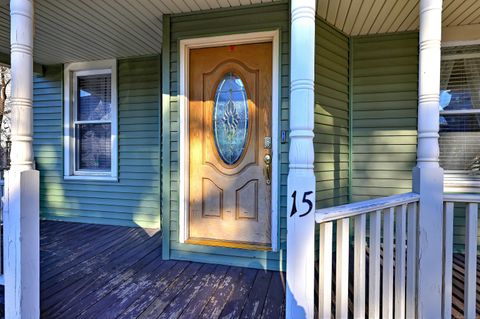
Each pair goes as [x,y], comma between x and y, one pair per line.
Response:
[267,171]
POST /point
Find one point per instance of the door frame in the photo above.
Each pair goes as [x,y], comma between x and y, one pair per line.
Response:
[185,46]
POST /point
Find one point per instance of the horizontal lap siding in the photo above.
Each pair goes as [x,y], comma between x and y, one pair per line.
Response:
[135,198]
[239,20]
[331,115]
[384,103]
[459,228]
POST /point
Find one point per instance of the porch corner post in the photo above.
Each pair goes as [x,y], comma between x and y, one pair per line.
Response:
[428,175]
[301,177]
[21,212]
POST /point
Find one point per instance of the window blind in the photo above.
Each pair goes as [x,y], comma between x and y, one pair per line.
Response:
[93,122]
[94,96]
[460,111]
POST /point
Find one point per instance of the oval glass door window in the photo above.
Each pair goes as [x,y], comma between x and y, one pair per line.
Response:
[230,118]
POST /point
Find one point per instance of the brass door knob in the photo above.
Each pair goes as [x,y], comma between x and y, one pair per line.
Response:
[267,172]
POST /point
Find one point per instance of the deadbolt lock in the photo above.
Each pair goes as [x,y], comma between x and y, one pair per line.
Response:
[267,142]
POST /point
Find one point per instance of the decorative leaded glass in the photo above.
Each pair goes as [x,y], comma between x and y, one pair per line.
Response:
[230,118]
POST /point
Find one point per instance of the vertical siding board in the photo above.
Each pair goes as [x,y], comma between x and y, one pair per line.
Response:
[135,198]
[384,114]
[235,20]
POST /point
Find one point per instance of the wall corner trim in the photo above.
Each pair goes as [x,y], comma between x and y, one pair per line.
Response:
[165,152]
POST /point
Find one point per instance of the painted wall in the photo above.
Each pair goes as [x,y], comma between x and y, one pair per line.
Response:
[239,20]
[331,115]
[384,114]
[135,199]
[384,127]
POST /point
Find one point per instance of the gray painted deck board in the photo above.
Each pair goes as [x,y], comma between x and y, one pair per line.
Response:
[97,271]
[118,272]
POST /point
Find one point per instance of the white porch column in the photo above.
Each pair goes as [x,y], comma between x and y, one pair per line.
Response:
[301,178]
[428,175]
[21,214]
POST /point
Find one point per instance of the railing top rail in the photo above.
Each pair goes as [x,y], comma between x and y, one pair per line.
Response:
[353,209]
[462,198]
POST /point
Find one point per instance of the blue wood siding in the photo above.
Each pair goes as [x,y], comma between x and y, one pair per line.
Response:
[135,199]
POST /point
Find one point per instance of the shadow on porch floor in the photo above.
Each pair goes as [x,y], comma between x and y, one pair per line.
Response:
[96,271]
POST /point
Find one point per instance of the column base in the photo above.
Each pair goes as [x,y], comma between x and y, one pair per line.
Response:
[300,244]
[21,222]
[428,182]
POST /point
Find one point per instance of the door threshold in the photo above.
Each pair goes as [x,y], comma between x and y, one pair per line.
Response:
[228,244]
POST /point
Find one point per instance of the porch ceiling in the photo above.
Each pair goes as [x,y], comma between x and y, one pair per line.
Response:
[67,31]
[81,30]
[361,17]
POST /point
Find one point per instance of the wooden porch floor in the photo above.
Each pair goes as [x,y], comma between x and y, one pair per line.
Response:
[94,271]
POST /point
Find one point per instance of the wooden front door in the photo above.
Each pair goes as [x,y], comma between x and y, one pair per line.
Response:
[230,152]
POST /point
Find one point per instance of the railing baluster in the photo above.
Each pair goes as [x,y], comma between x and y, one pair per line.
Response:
[381,288]
[374,265]
[359,269]
[447,260]
[325,271]
[388,264]
[471,260]
[400,236]
[411,260]
[342,268]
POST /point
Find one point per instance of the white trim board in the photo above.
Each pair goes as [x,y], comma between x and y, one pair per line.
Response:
[243,38]
[70,72]
[461,35]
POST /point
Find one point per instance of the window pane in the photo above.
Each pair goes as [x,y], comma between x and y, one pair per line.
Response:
[460,84]
[94,96]
[93,147]
[459,143]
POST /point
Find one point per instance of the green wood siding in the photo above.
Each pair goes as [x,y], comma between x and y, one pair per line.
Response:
[459,228]
[135,198]
[384,113]
[238,20]
[331,115]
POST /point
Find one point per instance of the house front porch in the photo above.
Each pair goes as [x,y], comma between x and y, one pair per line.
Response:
[116,128]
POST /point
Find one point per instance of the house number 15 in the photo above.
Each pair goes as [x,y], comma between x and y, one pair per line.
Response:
[304,200]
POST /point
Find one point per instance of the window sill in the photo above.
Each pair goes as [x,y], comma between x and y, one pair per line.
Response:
[96,178]
[455,183]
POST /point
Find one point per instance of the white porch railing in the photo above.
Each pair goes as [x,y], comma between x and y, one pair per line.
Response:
[470,201]
[395,277]
[385,252]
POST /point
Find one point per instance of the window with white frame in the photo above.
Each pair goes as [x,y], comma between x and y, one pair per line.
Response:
[460,112]
[90,120]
